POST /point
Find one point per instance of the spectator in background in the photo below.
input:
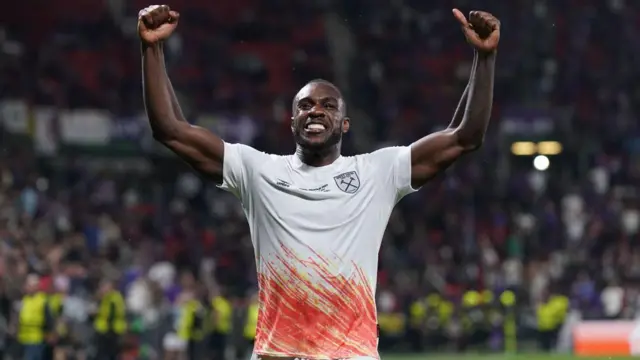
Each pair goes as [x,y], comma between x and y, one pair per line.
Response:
[62,214]
[110,322]
[34,321]
[612,298]
[5,317]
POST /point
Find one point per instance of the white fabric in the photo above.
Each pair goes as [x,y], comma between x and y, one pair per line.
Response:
[316,233]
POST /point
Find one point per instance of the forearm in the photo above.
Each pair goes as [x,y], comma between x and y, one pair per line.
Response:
[462,104]
[477,113]
[163,110]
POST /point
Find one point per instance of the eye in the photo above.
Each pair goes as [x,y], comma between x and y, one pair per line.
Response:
[304,106]
[330,106]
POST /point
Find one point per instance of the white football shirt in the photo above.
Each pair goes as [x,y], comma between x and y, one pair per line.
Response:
[317,232]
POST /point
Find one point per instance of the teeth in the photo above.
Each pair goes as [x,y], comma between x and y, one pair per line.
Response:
[315,127]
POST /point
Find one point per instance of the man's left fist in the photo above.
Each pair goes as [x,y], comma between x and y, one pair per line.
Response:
[482,30]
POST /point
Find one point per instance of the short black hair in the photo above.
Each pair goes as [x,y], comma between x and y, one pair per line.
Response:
[326,82]
[323,82]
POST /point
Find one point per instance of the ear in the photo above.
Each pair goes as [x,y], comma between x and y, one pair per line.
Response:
[292,127]
[346,124]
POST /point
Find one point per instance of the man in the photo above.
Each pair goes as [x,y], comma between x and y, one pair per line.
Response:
[194,323]
[250,327]
[34,320]
[222,319]
[317,218]
[110,322]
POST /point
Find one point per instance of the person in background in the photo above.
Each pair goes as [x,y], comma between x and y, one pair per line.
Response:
[612,299]
[250,327]
[5,316]
[34,320]
[509,320]
[64,342]
[110,322]
[193,327]
[546,315]
[560,305]
[391,321]
[417,323]
[173,345]
[473,318]
[55,308]
[221,318]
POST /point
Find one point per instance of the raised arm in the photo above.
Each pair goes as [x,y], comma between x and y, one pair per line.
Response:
[435,152]
[202,149]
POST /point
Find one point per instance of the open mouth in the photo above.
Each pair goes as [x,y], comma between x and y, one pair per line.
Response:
[315,128]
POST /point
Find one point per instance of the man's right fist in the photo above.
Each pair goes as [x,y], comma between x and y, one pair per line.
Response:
[156,23]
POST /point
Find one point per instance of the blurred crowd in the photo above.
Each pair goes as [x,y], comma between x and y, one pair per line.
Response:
[561,243]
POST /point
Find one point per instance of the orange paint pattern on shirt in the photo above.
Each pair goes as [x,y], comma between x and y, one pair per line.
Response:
[308,311]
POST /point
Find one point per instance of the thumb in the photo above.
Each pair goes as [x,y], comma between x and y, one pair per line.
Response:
[460,17]
[141,25]
[466,27]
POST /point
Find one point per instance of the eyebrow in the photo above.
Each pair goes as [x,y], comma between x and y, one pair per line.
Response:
[326,98]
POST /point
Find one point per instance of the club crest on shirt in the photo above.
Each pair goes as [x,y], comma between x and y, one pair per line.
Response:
[348,182]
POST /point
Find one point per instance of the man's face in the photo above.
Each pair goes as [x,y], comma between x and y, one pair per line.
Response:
[318,117]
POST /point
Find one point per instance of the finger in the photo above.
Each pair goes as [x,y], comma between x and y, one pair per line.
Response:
[494,39]
[174,16]
[484,14]
[488,18]
[474,16]
[460,17]
[148,20]
[146,10]
[158,16]
[476,19]
[495,23]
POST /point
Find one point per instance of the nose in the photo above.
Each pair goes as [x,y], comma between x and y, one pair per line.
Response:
[316,111]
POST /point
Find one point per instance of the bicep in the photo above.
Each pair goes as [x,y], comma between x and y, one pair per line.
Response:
[433,154]
[200,148]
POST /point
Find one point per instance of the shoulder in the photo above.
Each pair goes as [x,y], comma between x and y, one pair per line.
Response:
[245,152]
[386,156]
[250,159]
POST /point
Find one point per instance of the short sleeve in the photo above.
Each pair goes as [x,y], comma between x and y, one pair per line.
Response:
[393,165]
[240,162]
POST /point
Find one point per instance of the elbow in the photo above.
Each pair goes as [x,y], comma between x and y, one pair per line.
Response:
[160,136]
[470,142]
[164,132]
[474,145]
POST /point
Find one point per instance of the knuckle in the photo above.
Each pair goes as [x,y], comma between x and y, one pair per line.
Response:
[147,10]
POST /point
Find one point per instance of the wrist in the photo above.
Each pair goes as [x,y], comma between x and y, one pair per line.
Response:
[151,46]
[486,55]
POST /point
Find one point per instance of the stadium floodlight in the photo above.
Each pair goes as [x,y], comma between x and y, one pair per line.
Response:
[549,148]
[541,163]
[524,148]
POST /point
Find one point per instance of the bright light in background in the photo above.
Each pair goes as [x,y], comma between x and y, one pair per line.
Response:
[523,148]
[541,163]
[549,148]
[529,148]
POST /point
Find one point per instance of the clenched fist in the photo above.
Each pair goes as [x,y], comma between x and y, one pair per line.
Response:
[482,30]
[156,23]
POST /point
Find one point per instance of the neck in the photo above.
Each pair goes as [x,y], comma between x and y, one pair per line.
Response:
[320,157]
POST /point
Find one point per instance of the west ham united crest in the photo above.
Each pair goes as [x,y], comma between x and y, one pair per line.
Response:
[348,182]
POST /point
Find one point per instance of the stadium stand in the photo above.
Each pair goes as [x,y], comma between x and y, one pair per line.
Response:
[86,196]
